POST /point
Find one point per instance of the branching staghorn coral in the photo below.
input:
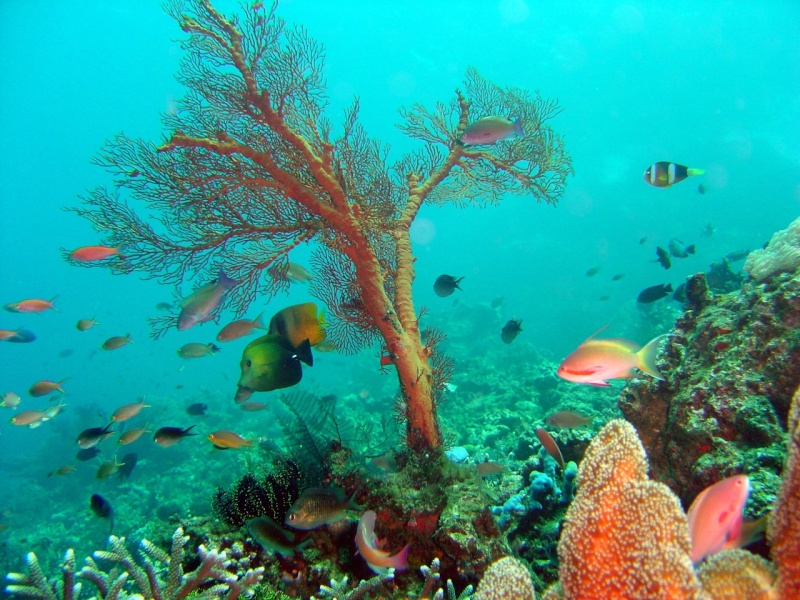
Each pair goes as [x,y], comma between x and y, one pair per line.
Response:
[339,590]
[146,574]
[252,168]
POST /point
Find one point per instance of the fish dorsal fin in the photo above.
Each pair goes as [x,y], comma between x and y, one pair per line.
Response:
[591,337]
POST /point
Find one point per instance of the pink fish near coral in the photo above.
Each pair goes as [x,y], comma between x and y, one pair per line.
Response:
[595,361]
[93,253]
[715,516]
[199,307]
[367,543]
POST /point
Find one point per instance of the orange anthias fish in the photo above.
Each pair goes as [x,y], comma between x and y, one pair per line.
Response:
[595,361]
[31,306]
[28,417]
[568,419]
[224,439]
[44,387]
[240,328]
[92,253]
[127,411]
[550,446]
[715,517]
[299,322]
[132,435]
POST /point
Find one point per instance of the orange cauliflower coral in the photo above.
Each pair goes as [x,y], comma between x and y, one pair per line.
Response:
[784,524]
[624,536]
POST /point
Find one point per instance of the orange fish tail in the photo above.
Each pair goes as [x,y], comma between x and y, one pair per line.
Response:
[647,357]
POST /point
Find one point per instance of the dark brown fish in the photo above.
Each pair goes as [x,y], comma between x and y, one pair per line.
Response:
[511,330]
[568,419]
[93,436]
[169,436]
[593,271]
[550,446]
[446,285]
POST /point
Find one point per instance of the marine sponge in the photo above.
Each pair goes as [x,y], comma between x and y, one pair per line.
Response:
[782,254]
[506,579]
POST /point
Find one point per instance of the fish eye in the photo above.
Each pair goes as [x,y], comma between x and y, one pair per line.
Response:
[292,517]
[248,363]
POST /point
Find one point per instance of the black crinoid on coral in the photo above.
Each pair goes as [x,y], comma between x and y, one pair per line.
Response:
[310,433]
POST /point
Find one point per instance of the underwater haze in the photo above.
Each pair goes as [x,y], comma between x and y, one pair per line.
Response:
[709,85]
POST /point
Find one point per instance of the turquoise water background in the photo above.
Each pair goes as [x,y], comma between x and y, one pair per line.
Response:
[712,85]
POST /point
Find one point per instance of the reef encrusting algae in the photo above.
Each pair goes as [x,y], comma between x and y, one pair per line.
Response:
[731,365]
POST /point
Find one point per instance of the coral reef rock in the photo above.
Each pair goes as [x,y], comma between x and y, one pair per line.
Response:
[731,364]
[782,254]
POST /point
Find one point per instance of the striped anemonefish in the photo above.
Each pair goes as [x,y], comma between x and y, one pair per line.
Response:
[664,174]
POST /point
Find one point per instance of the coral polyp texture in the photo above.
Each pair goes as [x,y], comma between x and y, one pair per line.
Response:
[624,535]
[506,579]
[782,254]
[731,365]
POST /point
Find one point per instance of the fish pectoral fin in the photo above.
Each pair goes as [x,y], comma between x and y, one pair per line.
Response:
[599,383]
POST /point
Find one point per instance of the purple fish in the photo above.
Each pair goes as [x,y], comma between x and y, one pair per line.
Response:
[201,304]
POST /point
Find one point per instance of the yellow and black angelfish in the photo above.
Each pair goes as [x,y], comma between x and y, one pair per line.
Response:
[664,174]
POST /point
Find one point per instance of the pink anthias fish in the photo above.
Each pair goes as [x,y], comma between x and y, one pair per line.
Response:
[716,522]
[594,362]
[367,543]
[201,304]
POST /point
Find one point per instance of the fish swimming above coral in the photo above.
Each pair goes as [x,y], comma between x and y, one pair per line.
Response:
[367,543]
[86,324]
[271,362]
[17,336]
[715,518]
[169,436]
[568,419]
[663,174]
[201,304]
[662,257]
[511,330]
[274,538]
[102,509]
[446,285]
[95,253]
[596,361]
[490,130]
[320,506]
[242,327]
[116,342]
[196,350]
[679,250]
[33,305]
[93,436]
[299,322]
[653,293]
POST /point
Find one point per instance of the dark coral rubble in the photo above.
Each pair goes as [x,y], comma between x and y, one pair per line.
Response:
[731,365]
